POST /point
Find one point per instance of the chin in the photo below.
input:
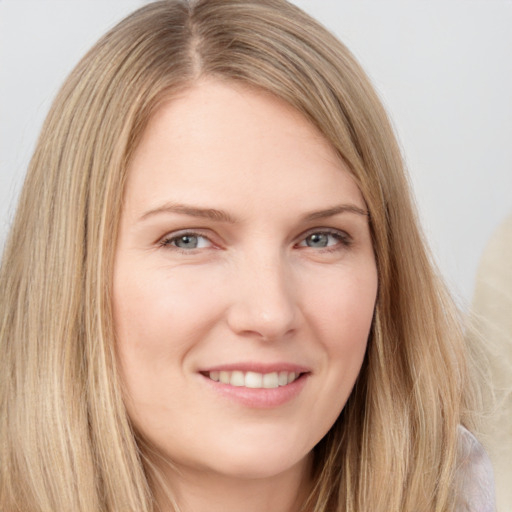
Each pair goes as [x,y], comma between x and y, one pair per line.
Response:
[259,467]
[254,461]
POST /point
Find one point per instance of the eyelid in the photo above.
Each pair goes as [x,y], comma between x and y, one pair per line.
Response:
[166,240]
[343,236]
[329,231]
[345,239]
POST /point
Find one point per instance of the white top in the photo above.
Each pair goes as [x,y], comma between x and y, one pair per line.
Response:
[475,476]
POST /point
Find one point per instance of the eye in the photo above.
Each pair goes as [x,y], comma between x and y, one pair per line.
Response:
[325,240]
[186,241]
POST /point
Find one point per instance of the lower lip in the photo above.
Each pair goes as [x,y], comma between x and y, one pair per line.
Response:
[260,398]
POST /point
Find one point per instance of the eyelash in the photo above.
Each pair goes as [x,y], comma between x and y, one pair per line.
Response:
[167,241]
[344,239]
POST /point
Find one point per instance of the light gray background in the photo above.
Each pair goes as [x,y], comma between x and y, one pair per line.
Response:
[442,67]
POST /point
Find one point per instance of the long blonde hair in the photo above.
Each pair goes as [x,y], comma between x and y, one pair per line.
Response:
[66,442]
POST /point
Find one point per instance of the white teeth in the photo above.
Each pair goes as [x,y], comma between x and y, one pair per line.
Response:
[237,379]
[254,380]
[270,380]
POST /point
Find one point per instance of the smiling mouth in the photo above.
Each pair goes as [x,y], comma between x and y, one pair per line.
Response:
[253,380]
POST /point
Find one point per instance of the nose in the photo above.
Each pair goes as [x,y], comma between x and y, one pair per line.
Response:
[264,304]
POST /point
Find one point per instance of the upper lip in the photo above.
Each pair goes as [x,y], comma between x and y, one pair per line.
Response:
[258,367]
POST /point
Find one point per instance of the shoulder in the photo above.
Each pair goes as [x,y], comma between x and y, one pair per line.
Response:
[474,476]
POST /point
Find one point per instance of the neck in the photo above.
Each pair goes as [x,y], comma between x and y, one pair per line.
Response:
[204,491]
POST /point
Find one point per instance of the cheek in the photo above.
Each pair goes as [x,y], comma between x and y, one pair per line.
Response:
[342,317]
[152,309]
[158,320]
[344,308]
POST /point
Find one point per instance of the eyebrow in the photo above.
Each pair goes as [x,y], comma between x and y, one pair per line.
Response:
[192,211]
[336,210]
[223,216]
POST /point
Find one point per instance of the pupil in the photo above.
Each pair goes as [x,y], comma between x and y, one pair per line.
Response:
[318,240]
[187,241]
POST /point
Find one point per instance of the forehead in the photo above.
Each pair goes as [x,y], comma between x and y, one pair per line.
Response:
[219,142]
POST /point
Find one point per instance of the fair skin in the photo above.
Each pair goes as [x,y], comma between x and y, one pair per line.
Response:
[244,290]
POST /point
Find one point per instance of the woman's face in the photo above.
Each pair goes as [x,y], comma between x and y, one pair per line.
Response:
[244,283]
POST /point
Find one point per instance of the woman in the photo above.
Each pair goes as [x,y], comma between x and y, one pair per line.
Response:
[215,293]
